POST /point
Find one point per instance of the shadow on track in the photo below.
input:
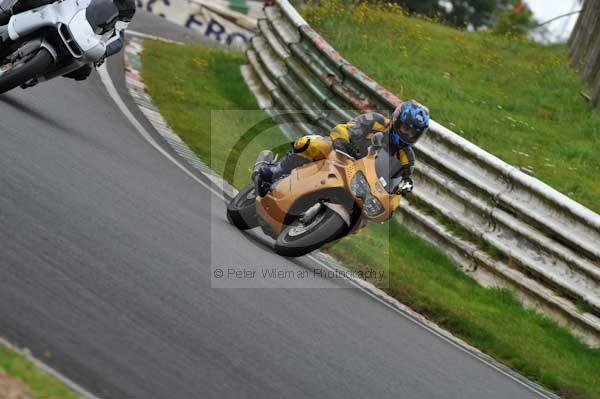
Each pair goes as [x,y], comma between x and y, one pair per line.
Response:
[256,238]
[34,113]
[30,111]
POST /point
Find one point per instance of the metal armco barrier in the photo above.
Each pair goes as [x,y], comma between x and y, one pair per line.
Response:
[517,232]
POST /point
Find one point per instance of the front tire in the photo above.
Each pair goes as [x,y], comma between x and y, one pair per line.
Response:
[20,74]
[241,211]
[297,239]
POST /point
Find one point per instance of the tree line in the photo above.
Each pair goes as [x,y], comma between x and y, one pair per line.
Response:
[507,15]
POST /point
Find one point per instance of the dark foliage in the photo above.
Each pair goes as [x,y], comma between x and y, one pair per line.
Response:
[460,13]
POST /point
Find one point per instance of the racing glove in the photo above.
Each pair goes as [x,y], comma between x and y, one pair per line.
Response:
[406,186]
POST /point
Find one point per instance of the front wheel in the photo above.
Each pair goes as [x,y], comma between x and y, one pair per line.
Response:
[21,71]
[298,239]
[241,211]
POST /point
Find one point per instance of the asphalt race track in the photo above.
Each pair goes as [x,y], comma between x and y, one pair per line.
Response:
[105,271]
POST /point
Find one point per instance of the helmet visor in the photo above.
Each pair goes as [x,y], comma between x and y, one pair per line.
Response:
[409,134]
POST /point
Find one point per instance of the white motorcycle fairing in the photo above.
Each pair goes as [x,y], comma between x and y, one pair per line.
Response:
[69,18]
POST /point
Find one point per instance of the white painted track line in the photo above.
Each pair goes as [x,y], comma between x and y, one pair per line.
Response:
[112,92]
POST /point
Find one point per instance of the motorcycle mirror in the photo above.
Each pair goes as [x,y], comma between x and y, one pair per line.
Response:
[377,140]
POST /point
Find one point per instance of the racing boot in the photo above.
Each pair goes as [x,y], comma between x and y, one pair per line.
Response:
[264,177]
[261,175]
[267,172]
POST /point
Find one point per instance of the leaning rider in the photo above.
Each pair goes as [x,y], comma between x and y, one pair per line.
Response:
[114,32]
[409,122]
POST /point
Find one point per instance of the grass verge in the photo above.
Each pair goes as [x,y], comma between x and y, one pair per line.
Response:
[40,384]
[207,104]
[420,275]
[517,99]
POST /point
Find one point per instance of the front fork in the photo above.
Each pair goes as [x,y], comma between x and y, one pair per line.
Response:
[311,213]
[31,47]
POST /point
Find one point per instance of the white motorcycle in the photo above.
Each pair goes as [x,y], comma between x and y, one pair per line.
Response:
[53,40]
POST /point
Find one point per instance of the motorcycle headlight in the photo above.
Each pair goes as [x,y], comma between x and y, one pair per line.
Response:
[372,206]
[360,186]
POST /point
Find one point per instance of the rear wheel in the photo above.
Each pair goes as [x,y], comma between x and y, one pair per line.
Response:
[298,238]
[21,71]
[241,211]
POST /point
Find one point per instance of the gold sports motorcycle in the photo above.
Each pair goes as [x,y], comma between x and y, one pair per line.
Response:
[322,201]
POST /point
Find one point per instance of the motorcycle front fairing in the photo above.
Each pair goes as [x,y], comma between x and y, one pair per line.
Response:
[92,46]
[374,184]
[69,18]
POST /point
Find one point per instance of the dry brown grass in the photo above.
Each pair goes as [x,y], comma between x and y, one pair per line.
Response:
[11,388]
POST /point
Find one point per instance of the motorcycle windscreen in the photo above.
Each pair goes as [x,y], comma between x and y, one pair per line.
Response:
[102,16]
[388,169]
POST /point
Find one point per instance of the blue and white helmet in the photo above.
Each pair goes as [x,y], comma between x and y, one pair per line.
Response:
[409,122]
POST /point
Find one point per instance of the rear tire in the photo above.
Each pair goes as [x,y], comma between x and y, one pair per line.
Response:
[241,211]
[33,67]
[298,240]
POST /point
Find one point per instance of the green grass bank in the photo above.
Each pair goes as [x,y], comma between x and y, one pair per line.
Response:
[515,98]
[420,276]
[40,384]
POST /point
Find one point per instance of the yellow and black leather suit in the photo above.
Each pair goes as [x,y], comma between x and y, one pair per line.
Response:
[353,138]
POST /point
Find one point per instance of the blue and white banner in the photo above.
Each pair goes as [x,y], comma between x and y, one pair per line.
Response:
[214,19]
